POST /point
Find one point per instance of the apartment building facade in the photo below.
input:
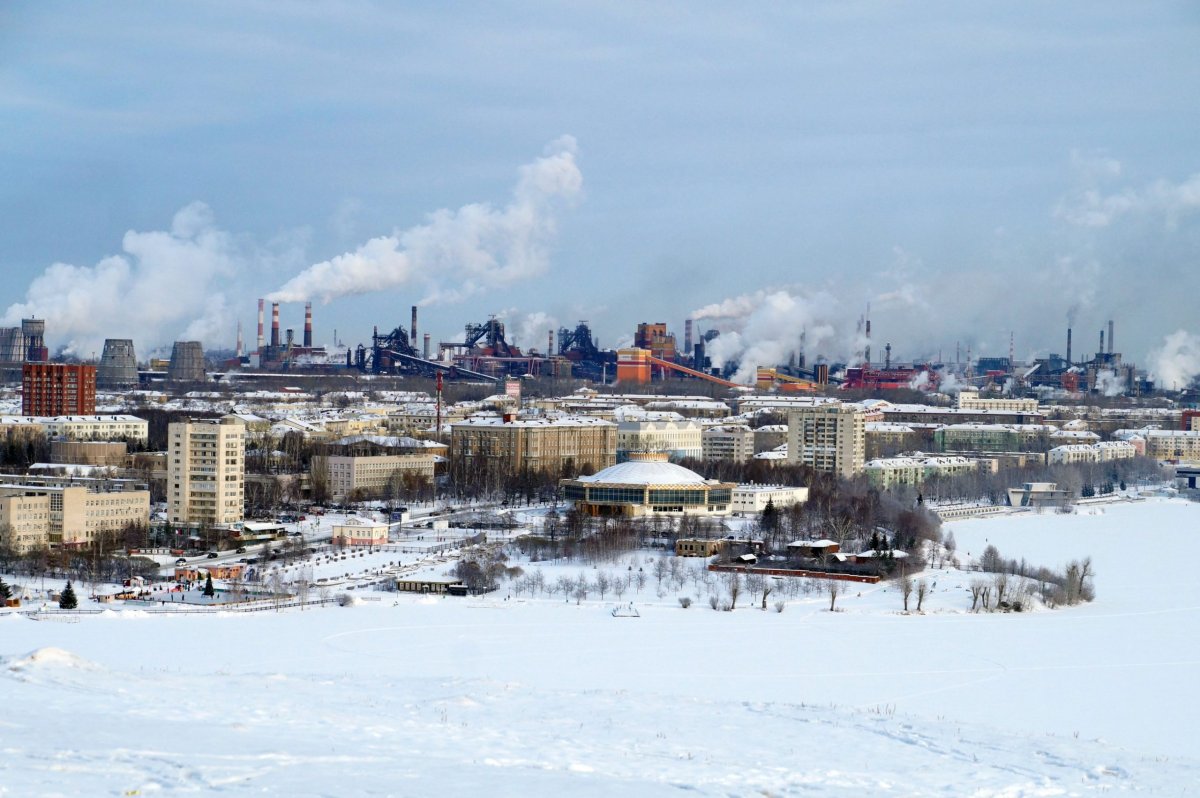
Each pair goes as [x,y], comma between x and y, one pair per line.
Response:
[829,438]
[206,467]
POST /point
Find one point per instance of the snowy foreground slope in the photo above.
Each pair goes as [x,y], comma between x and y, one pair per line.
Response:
[548,698]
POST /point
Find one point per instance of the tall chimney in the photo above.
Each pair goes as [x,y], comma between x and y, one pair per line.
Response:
[1069,364]
[238,350]
[307,325]
[261,341]
[1110,336]
[275,324]
[425,351]
[550,344]
[867,351]
[1102,349]
[412,335]
[687,335]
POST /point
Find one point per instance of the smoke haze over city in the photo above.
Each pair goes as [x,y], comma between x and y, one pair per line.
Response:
[966,174]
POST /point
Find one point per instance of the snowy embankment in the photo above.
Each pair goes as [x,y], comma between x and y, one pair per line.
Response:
[412,696]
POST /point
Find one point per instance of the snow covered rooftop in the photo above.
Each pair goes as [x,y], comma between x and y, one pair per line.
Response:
[641,472]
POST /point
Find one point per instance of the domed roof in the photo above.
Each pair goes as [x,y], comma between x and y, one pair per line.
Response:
[646,472]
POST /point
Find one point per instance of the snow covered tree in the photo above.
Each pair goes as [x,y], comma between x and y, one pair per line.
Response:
[67,600]
[5,591]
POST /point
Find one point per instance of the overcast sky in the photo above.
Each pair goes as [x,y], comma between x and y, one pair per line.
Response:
[966,168]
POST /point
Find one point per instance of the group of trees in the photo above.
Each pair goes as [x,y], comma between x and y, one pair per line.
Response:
[1013,582]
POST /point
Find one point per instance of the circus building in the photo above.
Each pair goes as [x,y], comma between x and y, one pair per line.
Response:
[647,484]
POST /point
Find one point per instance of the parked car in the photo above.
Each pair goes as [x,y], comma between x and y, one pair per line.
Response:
[241,549]
[181,561]
[212,555]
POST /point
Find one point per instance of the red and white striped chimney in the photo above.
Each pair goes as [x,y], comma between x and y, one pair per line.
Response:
[275,324]
[261,341]
[307,325]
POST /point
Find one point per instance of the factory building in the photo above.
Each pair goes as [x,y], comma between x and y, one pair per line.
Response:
[57,512]
[543,443]
[829,438]
[58,389]
[206,471]
[648,485]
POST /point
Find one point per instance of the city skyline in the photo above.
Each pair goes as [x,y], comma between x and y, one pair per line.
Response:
[966,174]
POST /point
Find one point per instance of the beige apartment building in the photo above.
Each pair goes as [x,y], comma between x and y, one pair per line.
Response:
[370,475]
[671,433]
[733,442]
[830,438]
[539,444]
[97,428]
[1170,444]
[206,466]
[41,512]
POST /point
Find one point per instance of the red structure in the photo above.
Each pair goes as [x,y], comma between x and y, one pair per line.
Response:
[58,389]
[891,379]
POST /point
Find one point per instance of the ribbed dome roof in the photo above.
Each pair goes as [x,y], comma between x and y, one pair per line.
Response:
[643,472]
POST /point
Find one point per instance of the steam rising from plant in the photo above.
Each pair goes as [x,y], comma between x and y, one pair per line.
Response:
[164,285]
[456,253]
[1177,363]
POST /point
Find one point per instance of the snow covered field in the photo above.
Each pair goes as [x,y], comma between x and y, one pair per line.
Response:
[411,696]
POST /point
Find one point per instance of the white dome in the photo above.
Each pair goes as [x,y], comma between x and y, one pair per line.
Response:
[643,472]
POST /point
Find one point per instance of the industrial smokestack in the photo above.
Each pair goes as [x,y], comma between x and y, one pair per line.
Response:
[1069,347]
[687,335]
[307,325]
[867,351]
[425,351]
[261,341]
[275,324]
[1102,350]
[550,343]
[1110,336]
[413,332]
[238,350]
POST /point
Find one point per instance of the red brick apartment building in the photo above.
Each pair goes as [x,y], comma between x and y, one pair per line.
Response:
[58,389]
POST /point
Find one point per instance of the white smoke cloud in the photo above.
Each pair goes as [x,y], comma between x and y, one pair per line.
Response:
[1091,207]
[163,285]
[457,253]
[1108,384]
[764,328]
[1177,362]
[528,330]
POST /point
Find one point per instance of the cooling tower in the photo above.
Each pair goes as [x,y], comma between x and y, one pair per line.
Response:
[118,365]
[187,362]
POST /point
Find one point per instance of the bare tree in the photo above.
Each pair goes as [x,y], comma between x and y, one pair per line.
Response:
[834,588]
[922,592]
[977,587]
[906,589]
[1000,582]
[735,589]
[602,583]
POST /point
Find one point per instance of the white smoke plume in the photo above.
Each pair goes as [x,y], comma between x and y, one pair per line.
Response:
[1090,207]
[1177,363]
[457,253]
[528,330]
[1108,383]
[764,328]
[920,382]
[162,287]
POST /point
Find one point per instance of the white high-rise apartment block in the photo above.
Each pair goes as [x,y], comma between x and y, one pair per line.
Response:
[829,438]
[206,466]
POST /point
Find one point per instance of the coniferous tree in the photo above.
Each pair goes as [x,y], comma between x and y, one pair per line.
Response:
[68,601]
[209,590]
[5,591]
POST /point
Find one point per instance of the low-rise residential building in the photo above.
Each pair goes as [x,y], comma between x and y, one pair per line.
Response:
[1091,452]
[1174,445]
[769,436]
[540,443]
[358,531]
[755,498]
[732,442]
[915,468]
[69,512]
[666,432]
[370,476]
[94,428]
